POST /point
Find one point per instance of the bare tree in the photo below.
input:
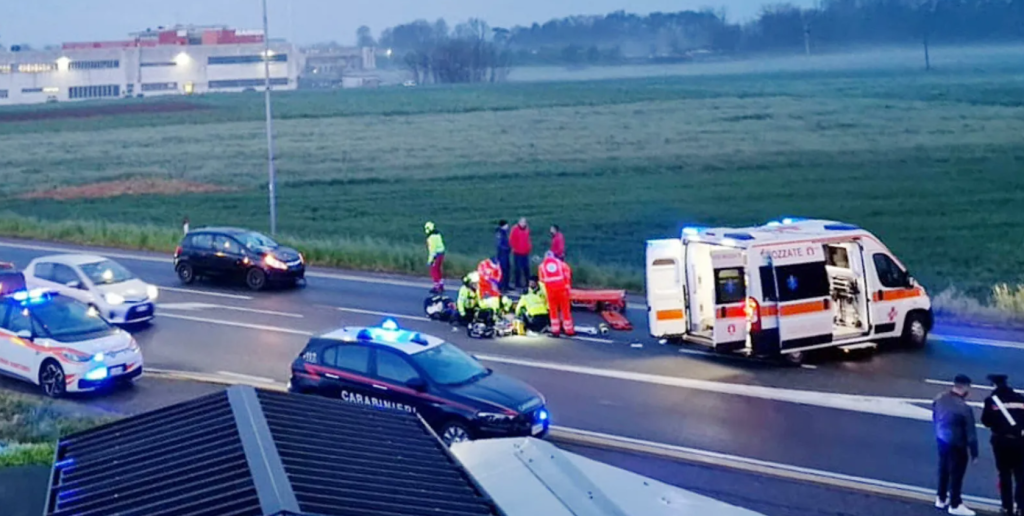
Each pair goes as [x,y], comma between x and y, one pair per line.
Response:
[364,37]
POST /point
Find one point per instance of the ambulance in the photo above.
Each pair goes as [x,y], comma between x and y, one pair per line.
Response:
[782,289]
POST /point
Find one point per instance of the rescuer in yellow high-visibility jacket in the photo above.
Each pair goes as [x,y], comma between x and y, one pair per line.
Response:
[532,308]
[468,301]
[435,256]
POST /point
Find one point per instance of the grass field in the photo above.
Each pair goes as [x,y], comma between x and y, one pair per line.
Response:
[931,162]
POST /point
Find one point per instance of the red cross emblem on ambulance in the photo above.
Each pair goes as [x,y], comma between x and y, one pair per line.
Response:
[892,314]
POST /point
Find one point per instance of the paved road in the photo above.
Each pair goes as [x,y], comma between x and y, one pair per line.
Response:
[865,416]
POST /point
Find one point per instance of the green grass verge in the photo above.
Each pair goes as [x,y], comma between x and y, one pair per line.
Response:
[30,428]
[40,454]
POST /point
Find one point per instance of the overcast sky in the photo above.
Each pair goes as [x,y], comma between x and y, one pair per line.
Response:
[40,22]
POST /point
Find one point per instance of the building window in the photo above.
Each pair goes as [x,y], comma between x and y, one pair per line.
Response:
[5,68]
[36,67]
[159,63]
[94,65]
[247,83]
[51,89]
[31,90]
[94,92]
[223,60]
[3,94]
[160,86]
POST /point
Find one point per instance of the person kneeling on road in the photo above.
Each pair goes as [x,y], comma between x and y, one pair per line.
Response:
[468,302]
[532,308]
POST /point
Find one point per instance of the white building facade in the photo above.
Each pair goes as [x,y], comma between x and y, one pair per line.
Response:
[178,61]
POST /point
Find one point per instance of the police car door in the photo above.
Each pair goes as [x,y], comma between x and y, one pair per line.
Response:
[666,299]
[399,383]
[804,308]
[730,333]
[347,373]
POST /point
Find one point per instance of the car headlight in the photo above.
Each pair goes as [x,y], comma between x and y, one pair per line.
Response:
[272,261]
[75,356]
[152,292]
[113,299]
[133,345]
[494,417]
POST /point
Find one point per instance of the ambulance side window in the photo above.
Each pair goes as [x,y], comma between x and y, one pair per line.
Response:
[730,286]
[768,292]
[890,275]
[802,281]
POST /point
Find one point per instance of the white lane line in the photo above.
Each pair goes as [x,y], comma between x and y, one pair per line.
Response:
[893,407]
[593,339]
[207,306]
[723,459]
[238,324]
[995,343]
[247,378]
[367,279]
[950,384]
[808,366]
[72,250]
[382,314]
[205,293]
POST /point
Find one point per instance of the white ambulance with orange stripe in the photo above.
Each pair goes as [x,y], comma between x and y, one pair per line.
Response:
[784,288]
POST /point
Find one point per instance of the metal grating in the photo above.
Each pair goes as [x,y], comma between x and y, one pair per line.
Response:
[243,452]
[350,460]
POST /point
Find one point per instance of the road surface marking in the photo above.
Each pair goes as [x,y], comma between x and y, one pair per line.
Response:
[84,250]
[207,306]
[893,407]
[950,384]
[762,467]
[1008,344]
[593,339]
[248,378]
[382,314]
[205,293]
[238,324]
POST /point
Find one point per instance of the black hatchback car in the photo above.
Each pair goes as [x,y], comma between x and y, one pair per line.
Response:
[389,368]
[237,254]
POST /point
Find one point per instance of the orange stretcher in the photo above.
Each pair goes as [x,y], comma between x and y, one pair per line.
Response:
[598,300]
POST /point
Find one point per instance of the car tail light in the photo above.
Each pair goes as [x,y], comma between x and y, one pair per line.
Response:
[753,311]
[177,251]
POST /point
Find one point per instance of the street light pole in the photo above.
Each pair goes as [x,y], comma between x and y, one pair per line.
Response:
[270,124]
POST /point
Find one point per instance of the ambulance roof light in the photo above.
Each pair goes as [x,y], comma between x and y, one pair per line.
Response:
[690,231]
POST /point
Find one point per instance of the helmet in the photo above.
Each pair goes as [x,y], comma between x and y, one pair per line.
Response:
[471,279]
[428,227]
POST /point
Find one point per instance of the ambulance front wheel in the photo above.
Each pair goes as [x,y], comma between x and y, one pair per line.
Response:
[795,358]
[915,331]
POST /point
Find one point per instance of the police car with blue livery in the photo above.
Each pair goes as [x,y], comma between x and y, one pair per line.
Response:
[391,368]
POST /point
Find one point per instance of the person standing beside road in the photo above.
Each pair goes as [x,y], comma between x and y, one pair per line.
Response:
[502,251]
[519,239]
[435,256]
[556,276]
[557,242]
[1004,415]
[957,438]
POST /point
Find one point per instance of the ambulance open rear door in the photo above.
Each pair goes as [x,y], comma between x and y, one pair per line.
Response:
[730,284]
[666,297]
[803,293]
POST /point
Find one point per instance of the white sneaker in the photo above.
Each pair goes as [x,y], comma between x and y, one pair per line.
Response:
[961,510]
[940,503]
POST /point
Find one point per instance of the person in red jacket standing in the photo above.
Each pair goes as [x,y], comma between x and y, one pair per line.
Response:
[557,242]
[519,239]
[556,276]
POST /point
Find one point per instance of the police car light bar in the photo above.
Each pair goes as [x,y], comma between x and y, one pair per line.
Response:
[390,325]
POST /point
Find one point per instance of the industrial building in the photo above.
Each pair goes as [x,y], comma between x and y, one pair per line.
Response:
[181,60]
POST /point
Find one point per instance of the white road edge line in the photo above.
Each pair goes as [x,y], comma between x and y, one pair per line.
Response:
[206,306]
[950,384]
[205,293]
[237,324]
[382,314]
[746,463]
[246,377]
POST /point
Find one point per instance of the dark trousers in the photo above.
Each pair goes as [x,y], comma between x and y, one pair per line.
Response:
[536,323]
[505,270]
[952,468]
[522,268]
[1010,463]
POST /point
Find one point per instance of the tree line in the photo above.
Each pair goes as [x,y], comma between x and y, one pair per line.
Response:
[476,52]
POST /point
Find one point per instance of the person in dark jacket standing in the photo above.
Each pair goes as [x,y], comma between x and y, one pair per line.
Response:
[521,247]
[957,438]
[1004,414]
[503,249]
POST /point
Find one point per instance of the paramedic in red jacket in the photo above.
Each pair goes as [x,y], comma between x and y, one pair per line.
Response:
[557,242]
[490,278]
[519,239]
[556,276]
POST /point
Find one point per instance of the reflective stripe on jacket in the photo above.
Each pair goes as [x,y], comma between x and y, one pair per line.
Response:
[533,303]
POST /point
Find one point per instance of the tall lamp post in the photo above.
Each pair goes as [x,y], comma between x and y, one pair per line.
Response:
[270,124]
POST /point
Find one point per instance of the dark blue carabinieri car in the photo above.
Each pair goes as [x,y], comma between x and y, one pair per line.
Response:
[391,368]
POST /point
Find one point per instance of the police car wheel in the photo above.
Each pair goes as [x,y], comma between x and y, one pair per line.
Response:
[51,379]
[255,279]
[455,432]
[185,273]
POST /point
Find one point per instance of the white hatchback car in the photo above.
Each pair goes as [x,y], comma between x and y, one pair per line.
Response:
[116,294]
[62,345]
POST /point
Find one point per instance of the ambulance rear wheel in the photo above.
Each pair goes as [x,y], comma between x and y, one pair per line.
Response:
[915,331]
[795,358]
